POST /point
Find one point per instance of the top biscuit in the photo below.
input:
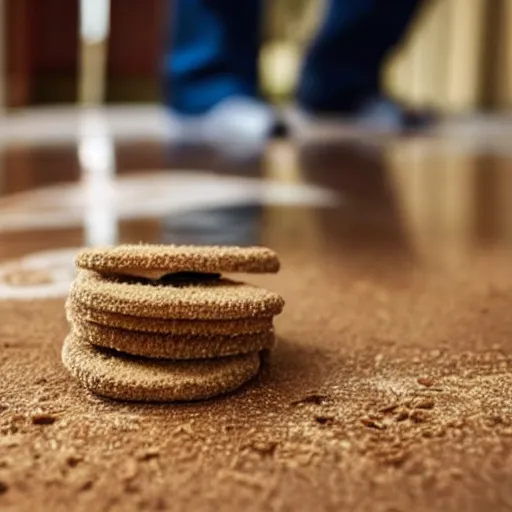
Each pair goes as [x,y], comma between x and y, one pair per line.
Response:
[156,261]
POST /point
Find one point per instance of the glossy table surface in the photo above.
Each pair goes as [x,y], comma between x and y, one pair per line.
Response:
[391,385]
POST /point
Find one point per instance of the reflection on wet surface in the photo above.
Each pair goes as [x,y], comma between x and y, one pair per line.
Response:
[232,225]
[411,196]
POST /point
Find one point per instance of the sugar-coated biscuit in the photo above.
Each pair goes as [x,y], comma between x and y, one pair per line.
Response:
[140,379]
[155,261]
[221,299]
[168,345]
[233,327]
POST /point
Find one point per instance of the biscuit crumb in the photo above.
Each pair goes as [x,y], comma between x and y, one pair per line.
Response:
[73,460]
[265,448]
[419,416]
[402,415]
[425,381]
[324,419]
[86,486]
[424,404]
[389,408]
[311,398]
[149,453]
[43,419]
[368,422]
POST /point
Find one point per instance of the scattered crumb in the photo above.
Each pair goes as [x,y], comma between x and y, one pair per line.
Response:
[397,459]
[426,381]
[184,428]
[73,460]
[368,422]
[389,408]
[86,486]
[311,398]
[324,419]
[129,470]
[149,453]
[43,419]
[424,404]
[402,415]
[419,416]
[262,447]
[456,423]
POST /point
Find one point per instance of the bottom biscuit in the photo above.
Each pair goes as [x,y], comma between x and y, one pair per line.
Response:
[169,346]
[137,379]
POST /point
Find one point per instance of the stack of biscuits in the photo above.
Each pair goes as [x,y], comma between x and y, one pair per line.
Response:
[160,323]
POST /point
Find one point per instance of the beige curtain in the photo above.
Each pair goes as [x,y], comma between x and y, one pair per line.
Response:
[456,58]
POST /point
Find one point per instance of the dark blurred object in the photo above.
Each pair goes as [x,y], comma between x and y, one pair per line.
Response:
[211,70]
[213,51]
[42,50]
[232,225]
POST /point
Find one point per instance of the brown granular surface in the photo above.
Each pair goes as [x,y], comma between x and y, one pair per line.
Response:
[114,375]
[389,390]
[155,261]
[221,299]
[170,345]
[232,327]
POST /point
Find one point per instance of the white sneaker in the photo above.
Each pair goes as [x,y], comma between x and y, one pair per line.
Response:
[238,125]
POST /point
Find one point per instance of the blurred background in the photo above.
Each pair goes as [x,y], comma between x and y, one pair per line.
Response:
[71,175]
[98,176]
[457,57]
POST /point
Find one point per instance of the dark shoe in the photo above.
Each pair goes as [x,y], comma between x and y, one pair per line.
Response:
[385,114]
[378,114]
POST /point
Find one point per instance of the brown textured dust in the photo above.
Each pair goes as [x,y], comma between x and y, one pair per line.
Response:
[390,390]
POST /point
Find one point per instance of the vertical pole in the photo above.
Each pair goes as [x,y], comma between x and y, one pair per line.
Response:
[96,150]
[94,30]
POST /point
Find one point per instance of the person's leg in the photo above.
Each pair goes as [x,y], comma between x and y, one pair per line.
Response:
[212,53]
[342,67]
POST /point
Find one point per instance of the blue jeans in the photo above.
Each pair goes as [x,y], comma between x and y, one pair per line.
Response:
[212,52]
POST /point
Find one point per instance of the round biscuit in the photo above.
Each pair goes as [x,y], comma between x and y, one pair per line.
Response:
[137,379]
[239,326]
[155,261]
[168,346]
[222,299]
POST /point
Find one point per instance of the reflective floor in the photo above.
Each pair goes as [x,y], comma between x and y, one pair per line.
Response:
[396,269]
